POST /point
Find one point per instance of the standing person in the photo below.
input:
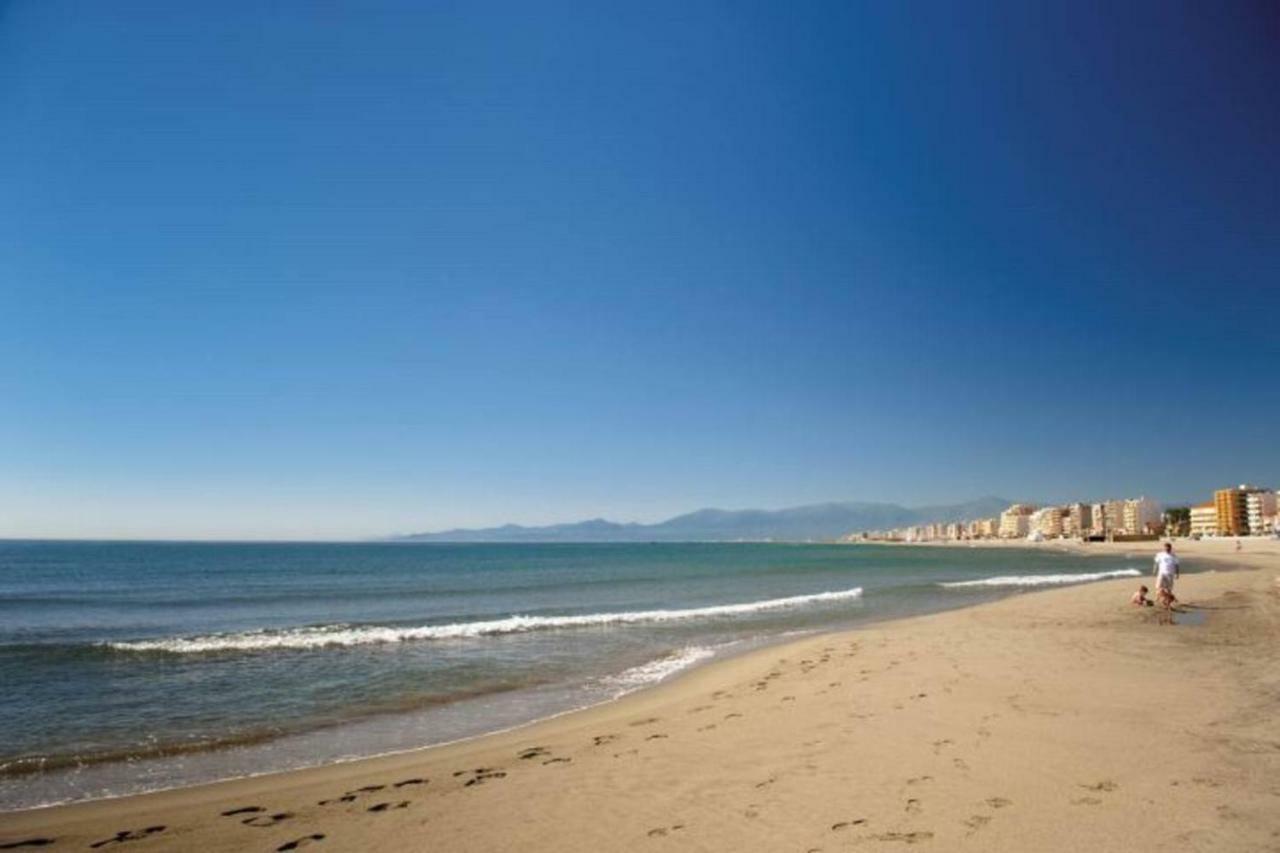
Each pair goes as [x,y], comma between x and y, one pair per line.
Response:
[1166,572]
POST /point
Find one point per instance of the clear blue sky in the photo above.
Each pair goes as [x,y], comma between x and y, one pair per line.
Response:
[306,269]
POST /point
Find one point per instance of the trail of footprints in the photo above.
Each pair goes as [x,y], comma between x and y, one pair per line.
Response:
[258,816]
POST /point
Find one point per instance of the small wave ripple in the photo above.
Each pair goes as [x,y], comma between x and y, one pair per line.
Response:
[1042,580]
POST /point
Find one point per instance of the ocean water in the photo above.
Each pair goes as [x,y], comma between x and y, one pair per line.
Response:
[135,666]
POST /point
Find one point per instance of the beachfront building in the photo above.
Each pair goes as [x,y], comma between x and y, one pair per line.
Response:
[1078,521]
[1204,519]
[1113,511]
[1261,511]
[1141,515]
[1015,522]
[1047,522]
[1233,509]
[1098,519]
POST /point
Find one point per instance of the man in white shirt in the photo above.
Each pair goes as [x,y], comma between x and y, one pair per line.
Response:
[1166,572]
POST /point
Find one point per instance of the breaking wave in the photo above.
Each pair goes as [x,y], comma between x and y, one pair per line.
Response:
[359,635]
[1043,580]
[660,669]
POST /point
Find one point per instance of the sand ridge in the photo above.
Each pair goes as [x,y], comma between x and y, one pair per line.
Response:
[1055,720]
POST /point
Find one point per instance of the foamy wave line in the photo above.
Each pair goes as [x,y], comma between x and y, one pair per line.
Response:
[660,669]
[355,635]
[1043,580]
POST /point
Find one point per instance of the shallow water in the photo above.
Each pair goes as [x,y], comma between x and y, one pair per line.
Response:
[132,666]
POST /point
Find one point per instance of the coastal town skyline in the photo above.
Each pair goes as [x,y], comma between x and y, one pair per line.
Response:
[1233,511]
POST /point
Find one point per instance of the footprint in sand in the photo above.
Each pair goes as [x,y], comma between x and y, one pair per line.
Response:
[916,780]
[656,736]
[699,709]
[845,824]
[1087,801]
[267,820]
[732,716]
[243,810]
[557,761]
[939,744]
[298,843]
[648,721]
[369,788]
[1105,785]
[480,775]
[661,831]
[905,837]
[27,842]
[129,835]
[913,806]
[383,807]
[976,822]
[533,752]
[345,798]
[601,740]
[1198,780]
[406,782]
[998,802]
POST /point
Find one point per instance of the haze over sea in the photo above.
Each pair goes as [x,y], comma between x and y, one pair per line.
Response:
[134,666]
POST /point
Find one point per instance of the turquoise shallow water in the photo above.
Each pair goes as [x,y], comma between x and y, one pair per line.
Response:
[130,666]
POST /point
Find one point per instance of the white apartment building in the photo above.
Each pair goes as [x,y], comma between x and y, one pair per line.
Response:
[1078,521]
[1015,521]
[1047,521]
[1261,507]
[1113,511]
[1098,519]
[1138,513]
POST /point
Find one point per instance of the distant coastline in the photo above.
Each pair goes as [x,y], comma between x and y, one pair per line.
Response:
[824,522]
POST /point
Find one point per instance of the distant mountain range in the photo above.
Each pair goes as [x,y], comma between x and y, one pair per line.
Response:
[797,524]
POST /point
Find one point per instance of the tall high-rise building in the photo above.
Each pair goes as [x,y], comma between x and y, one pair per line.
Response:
[1232,506]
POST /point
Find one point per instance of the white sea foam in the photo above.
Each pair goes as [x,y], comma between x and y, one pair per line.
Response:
[360,635]
[657,670]
[1043,580]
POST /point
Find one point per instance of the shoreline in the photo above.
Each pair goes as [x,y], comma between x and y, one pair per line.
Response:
[569,744]
[311,737]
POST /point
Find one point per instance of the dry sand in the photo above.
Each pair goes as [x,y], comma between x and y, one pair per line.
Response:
[1058,720]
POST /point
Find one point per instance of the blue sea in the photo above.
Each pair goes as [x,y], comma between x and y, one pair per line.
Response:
[136,666]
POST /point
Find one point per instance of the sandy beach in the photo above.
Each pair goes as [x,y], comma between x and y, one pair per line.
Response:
[1057,720]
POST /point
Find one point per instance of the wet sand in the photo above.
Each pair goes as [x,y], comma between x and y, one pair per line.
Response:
[1056,720]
